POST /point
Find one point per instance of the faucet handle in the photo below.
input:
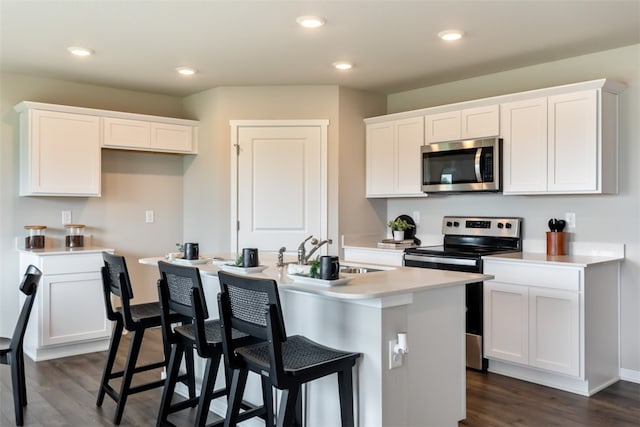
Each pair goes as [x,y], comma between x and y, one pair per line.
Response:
[281,256]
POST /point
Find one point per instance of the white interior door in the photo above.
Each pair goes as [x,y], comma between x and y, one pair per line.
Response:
[280,178]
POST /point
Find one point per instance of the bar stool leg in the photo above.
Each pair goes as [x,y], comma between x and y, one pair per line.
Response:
[290,407]
[267,397]
[345,389]
[17,388]
[173,370]
[238,383]
[111,357]
[129,370]
[191,377]
[206,392]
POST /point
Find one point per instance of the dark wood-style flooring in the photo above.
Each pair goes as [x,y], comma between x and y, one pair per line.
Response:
[62,392]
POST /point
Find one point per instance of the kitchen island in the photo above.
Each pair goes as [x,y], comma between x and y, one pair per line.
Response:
[365,315]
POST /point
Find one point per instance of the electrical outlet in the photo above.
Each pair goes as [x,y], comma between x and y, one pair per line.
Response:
[570,218]
[395,360]
[66,217]
[416,217]
[149,216]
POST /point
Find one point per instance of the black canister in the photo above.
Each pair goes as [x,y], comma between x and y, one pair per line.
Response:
[250,257]
[191,251]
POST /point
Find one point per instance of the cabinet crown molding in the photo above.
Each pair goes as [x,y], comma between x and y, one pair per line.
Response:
[604,84]
[28,105]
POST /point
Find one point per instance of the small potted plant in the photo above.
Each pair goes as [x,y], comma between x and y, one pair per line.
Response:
[398,227]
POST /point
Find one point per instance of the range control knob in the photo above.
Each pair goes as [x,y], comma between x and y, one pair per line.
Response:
[501,225]
[508,225]
[449,223]
[456,224]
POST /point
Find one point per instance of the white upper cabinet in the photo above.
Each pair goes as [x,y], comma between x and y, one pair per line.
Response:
[393,158]
[561,144]
[480,122]
[59,154]
[442,127]
[147,136]
[477,122]
[524,146]
[60,145]
[573,143]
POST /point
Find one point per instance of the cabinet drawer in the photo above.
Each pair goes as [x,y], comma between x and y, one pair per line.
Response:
[543,276]
[72,263]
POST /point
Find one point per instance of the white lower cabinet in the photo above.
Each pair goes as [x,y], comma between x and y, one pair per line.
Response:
[68,317]
[533,326]
[553,324]
[554,330]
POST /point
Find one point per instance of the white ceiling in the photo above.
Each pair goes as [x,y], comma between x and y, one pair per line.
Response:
[393,44]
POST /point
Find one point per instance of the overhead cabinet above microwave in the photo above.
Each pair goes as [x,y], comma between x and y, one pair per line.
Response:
[467,123]
[60,145]
[558,140]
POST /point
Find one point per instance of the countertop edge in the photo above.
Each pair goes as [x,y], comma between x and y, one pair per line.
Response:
[543,258]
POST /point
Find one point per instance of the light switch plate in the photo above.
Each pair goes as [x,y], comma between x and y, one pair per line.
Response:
[395,360]
[149,216]
[570,218]
[66,217]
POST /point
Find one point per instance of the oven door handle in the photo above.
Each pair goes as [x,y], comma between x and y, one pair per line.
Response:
[440,260]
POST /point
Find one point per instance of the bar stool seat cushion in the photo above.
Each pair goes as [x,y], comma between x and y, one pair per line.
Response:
[211,331]
[146,314]
[298,355]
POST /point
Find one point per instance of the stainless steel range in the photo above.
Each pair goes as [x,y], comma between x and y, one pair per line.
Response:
[466,240]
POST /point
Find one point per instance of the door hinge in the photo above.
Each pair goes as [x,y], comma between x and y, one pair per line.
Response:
[237,149]
[238,226]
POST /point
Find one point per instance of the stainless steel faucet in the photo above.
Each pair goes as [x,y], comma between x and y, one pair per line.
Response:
[302,251]
[303,257]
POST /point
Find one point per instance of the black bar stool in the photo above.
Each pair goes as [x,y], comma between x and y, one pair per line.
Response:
[136,319]
[180,292]
[252,305]
[11,348]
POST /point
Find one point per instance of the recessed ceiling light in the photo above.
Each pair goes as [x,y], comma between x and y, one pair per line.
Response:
[309,21]
[186,71]
[80,51]
[342,65]
[450,35]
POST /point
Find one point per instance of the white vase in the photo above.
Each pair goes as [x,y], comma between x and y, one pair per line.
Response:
[398,234]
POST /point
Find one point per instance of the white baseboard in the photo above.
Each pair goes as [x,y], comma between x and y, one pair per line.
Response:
[630,375]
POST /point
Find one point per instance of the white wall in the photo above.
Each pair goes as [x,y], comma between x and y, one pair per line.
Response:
[207,176]
[599,218]
[131,183]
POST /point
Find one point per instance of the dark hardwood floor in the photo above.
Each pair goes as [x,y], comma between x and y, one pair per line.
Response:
[62,392]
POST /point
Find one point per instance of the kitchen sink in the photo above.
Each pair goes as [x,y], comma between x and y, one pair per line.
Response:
[356,269]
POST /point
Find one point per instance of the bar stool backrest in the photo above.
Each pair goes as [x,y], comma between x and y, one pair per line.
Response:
[28,286]
[115,281]
[252,305]
[180,291]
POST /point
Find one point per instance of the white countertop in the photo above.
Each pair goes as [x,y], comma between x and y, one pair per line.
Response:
[65,251]
[538,257]
[394,281]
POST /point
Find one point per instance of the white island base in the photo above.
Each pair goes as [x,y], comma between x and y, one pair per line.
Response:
[429,389]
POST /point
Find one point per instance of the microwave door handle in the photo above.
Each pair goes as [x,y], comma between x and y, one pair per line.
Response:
[477,165]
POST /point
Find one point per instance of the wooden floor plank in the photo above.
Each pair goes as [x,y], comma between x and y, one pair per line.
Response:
[62,392]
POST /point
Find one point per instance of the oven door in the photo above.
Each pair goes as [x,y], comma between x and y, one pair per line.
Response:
[461,166]
[473,299]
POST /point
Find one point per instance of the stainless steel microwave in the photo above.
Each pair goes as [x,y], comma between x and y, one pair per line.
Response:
[462,166]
